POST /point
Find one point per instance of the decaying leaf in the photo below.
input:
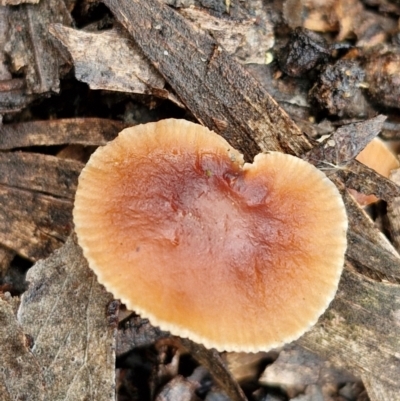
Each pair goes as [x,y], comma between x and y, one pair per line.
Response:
[71,320]
[20,373]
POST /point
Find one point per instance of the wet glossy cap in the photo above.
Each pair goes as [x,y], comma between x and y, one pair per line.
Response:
[240,257]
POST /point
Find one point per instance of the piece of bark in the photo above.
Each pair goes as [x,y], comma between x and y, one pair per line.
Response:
[110,60]
[6,257]
[393,212]
[383,77]
[245,367]
[137,332]
[33,224]
[16,2]
[218,91]
[21,376]
[378,391]
[248,41]
[179,388]
[344,144]
[290,93]
[4,26]
[303,52]
[212,361]
[83,131]
[367,181]
[338,90]
[12,95]
[361,330]
[71,320]
[30,47]
[36,172]
[297,368]
[367,247]
[391,128]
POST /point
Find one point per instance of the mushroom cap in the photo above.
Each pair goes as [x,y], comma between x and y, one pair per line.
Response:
[377,156]
[239,257]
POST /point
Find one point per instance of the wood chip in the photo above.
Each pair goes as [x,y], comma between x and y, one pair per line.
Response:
[109,60]
[30,47]
[361,330]
[344,144]
[83,131]
[40,173]
[33,224]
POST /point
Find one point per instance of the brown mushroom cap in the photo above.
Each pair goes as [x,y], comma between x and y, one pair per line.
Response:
[238,257]
[375,155]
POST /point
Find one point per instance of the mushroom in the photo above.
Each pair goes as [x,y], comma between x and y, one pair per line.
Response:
[377,156]
[237,256]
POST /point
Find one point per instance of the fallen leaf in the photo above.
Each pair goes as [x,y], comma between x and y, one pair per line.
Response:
[71,319]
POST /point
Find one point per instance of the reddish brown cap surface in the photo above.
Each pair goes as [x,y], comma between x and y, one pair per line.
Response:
[238,257]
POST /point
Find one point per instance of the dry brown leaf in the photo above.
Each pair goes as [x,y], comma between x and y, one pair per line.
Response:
[20,374]
[71,320]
